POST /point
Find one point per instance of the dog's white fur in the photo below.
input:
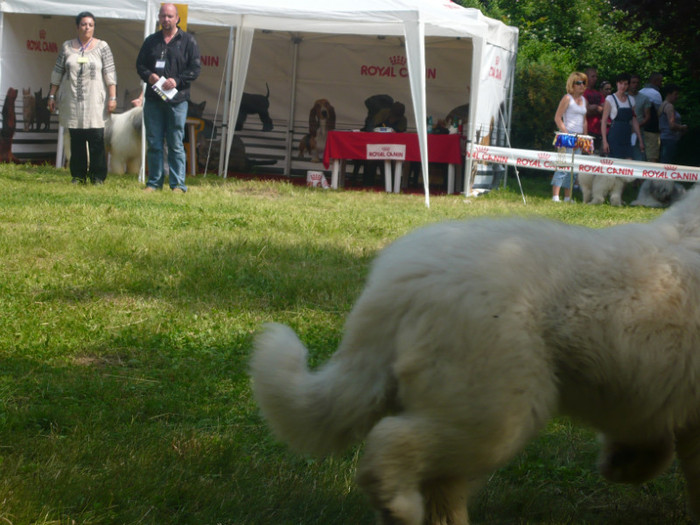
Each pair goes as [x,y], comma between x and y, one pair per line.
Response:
[123,141]
[596,188]
[321,121]
[658,193]
[469,336]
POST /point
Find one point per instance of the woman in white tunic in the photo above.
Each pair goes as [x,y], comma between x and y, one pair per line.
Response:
[84,88]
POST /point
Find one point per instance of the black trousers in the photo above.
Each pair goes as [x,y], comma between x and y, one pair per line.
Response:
[87,154]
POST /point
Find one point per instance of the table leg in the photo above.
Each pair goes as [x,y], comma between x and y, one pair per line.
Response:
[387,176]
[334,174]
[398,168]
[193,150]
[450,179]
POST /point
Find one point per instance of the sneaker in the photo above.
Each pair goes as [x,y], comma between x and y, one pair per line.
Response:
[178,190]
[75,180]
[556,198]
[149,189]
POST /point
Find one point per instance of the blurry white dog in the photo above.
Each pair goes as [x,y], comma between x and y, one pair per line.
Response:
[123,141]
[469,336]
[596,188]
[658,193]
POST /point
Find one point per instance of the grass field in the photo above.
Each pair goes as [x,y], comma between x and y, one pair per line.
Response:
[126,322]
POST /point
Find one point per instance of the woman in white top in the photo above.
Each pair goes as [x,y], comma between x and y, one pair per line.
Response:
[82,77]
[570,118]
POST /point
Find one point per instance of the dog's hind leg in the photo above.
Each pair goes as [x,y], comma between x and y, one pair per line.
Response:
[417,471]
[688,451]
[635,462]
[390,471]
[446,500]
[618,186]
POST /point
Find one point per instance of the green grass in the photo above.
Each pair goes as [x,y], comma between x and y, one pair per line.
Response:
[126,322]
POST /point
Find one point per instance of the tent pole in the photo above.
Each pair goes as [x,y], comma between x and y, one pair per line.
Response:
[296,40]
[149,22]
[241,58]
[477,61]
[414,30]
[510,96]
[227,102]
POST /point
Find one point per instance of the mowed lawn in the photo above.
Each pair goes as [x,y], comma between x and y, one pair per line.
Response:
[126,324]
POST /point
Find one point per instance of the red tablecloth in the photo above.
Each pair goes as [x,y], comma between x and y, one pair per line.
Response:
[353,145]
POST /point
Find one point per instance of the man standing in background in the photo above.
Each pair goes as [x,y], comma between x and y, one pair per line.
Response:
[650,130]
[641,106]
[168,62]
[594,113]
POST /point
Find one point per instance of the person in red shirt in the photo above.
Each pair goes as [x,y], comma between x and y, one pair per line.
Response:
[596,101]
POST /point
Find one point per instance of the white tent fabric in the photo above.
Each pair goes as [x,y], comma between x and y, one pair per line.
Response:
[412,21]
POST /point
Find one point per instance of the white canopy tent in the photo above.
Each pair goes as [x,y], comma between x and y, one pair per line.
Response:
[493,44]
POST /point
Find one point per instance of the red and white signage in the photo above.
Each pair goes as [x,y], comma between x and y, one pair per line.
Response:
[386,151]
[553,161]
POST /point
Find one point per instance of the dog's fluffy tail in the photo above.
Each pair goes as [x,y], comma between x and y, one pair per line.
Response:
[321,411]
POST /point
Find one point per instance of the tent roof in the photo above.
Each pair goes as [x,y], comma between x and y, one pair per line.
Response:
[377,17]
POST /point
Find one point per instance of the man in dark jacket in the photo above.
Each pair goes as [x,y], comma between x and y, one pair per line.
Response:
[168,62]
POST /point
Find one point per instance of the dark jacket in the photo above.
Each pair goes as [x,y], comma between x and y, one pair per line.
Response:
[182,62]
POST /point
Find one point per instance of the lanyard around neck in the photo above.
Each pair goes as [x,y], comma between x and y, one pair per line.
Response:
[84,47]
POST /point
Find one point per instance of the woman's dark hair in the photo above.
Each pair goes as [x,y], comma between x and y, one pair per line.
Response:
[84,14]
[670,88]
[622,77]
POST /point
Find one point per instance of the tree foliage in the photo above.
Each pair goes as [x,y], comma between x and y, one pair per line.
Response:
[615,36]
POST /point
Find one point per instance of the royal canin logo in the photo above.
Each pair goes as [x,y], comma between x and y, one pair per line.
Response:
[397,60]
[607,161]
[481,149]
[670,167]
[544,156]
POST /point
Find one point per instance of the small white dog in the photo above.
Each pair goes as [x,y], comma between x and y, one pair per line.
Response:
[469,336]
[658,193]
[596,188]
[123,141]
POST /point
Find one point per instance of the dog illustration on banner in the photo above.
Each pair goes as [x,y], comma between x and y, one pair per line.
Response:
[28,109]
[42,113]
[471,335]
[321,121]
[252,104]
[9,124]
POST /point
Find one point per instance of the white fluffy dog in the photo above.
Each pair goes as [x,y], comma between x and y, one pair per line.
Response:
[469,336]
[123,141]
[596,188]
[658,193]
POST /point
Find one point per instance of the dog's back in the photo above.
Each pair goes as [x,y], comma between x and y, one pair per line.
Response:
[469,336]
[123,141]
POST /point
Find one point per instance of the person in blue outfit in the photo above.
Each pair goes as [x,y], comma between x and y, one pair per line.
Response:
[619,108]
[670,126]
[168,60]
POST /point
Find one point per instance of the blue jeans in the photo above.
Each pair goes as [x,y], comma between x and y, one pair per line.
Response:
[165,122]
[563,178]
[668,150]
